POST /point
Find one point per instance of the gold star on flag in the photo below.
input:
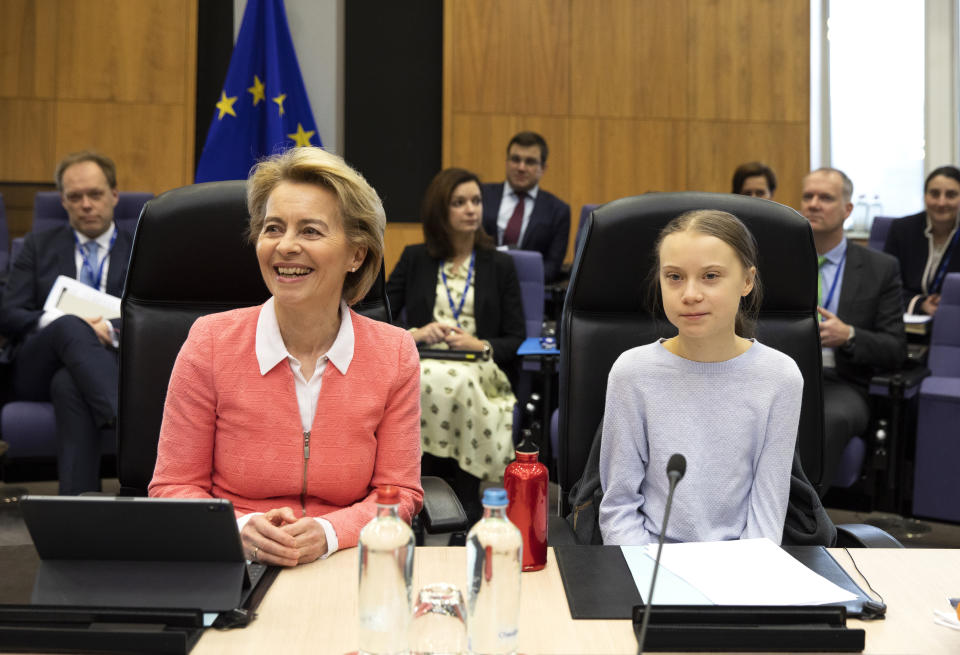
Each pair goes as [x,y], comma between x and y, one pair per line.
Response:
[301,136]
[279,100]
[257,90]
[226,105]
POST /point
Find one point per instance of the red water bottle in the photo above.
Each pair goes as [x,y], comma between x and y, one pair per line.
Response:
[525,480]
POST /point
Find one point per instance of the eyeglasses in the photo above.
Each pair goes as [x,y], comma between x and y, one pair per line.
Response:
[529,162]
[75,197]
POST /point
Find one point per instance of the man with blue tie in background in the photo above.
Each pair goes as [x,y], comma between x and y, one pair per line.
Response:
[860,308]
[70,360]
[519,214]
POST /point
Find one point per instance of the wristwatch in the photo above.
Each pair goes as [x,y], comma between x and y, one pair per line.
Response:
[487,350]
[848,344]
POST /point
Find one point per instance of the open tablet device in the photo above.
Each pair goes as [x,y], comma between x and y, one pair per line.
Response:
[100,551]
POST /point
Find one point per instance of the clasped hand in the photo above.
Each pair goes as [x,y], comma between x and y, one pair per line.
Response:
[279,537]
[833,332]
[455,337]
[102,328]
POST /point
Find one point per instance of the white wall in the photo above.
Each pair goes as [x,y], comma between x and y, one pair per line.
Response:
[316,27]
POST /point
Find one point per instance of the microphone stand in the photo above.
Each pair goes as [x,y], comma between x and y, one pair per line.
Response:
[674,478]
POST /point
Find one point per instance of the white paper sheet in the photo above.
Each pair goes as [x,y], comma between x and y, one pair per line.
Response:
[747,572]
[670,589]
[73,297]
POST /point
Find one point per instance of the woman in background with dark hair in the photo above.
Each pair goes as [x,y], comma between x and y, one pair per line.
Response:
[926,243]
[754,179]
[459,293]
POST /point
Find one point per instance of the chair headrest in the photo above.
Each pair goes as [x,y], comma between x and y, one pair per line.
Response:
[611,275]
[196,233]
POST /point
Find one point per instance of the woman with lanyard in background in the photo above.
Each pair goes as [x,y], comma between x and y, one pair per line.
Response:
[926,243]
[459,293]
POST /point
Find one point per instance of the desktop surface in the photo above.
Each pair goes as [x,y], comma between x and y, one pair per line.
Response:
[313,608]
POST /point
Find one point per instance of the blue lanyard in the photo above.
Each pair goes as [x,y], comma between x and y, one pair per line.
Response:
[942,269]
[836,278]
[103,260]
[459,308]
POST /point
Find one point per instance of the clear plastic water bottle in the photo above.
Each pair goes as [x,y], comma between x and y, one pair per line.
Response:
[857,221]
[876,209]
[494,557]
[386,573]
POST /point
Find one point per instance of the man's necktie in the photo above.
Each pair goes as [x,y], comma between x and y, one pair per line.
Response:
[511,235]
[87,273]
[821,260]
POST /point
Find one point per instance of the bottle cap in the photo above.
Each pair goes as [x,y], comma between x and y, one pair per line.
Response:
[495,497]
[388,495]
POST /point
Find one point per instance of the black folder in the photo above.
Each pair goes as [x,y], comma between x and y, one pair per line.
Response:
[599,585]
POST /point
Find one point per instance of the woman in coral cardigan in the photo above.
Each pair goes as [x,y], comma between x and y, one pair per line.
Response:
[297,410]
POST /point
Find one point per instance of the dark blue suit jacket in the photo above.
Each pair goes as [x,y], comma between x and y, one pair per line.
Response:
[907,242]
[44,256]
[547,231]
[870,301]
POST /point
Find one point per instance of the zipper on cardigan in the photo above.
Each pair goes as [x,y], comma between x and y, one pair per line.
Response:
[306,458]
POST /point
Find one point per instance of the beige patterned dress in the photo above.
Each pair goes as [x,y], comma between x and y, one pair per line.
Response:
[466,407]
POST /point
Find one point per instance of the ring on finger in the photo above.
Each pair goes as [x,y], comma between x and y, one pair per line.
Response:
[256,553]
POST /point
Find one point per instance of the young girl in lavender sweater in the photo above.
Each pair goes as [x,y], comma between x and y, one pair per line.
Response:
[725,401]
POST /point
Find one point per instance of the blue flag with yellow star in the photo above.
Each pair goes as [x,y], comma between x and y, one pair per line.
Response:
[263,107]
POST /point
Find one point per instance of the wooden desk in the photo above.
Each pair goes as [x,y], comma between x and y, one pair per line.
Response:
[312,609]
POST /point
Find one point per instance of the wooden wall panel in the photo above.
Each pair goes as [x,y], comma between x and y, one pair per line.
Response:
[511,57]
[627,54]
[27,62]
[26,140]
[749,60]
[480,146]
[117,76]
[123,50]
[716,148]
[140,139]
[656,96]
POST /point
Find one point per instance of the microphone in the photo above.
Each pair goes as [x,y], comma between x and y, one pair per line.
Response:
[676,468]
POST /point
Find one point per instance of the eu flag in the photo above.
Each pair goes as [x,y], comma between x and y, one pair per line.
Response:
[263,107]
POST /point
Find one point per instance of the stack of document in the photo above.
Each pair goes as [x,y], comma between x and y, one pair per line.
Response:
[743,572]
[73,297]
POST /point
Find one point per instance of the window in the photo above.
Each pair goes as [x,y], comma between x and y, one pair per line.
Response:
[876,59]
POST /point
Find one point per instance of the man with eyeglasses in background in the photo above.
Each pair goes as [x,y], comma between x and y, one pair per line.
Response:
[70,360]
[519,214]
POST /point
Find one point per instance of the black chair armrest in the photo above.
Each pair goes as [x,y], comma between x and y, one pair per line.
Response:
[560,533]
[907,378]
[862,535]
[442,511]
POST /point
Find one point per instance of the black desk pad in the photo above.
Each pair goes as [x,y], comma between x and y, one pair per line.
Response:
[599,585]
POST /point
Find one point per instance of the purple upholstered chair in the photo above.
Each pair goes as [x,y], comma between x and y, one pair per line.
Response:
[30,427]
[878,232]
[938,448]
[529,265]
[585,212]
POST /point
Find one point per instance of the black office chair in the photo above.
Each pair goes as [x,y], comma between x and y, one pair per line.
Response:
[190,257]
[605,313]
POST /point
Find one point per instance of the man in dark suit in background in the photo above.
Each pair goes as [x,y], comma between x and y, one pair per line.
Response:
[861,311]
[67,359]
[519,214]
